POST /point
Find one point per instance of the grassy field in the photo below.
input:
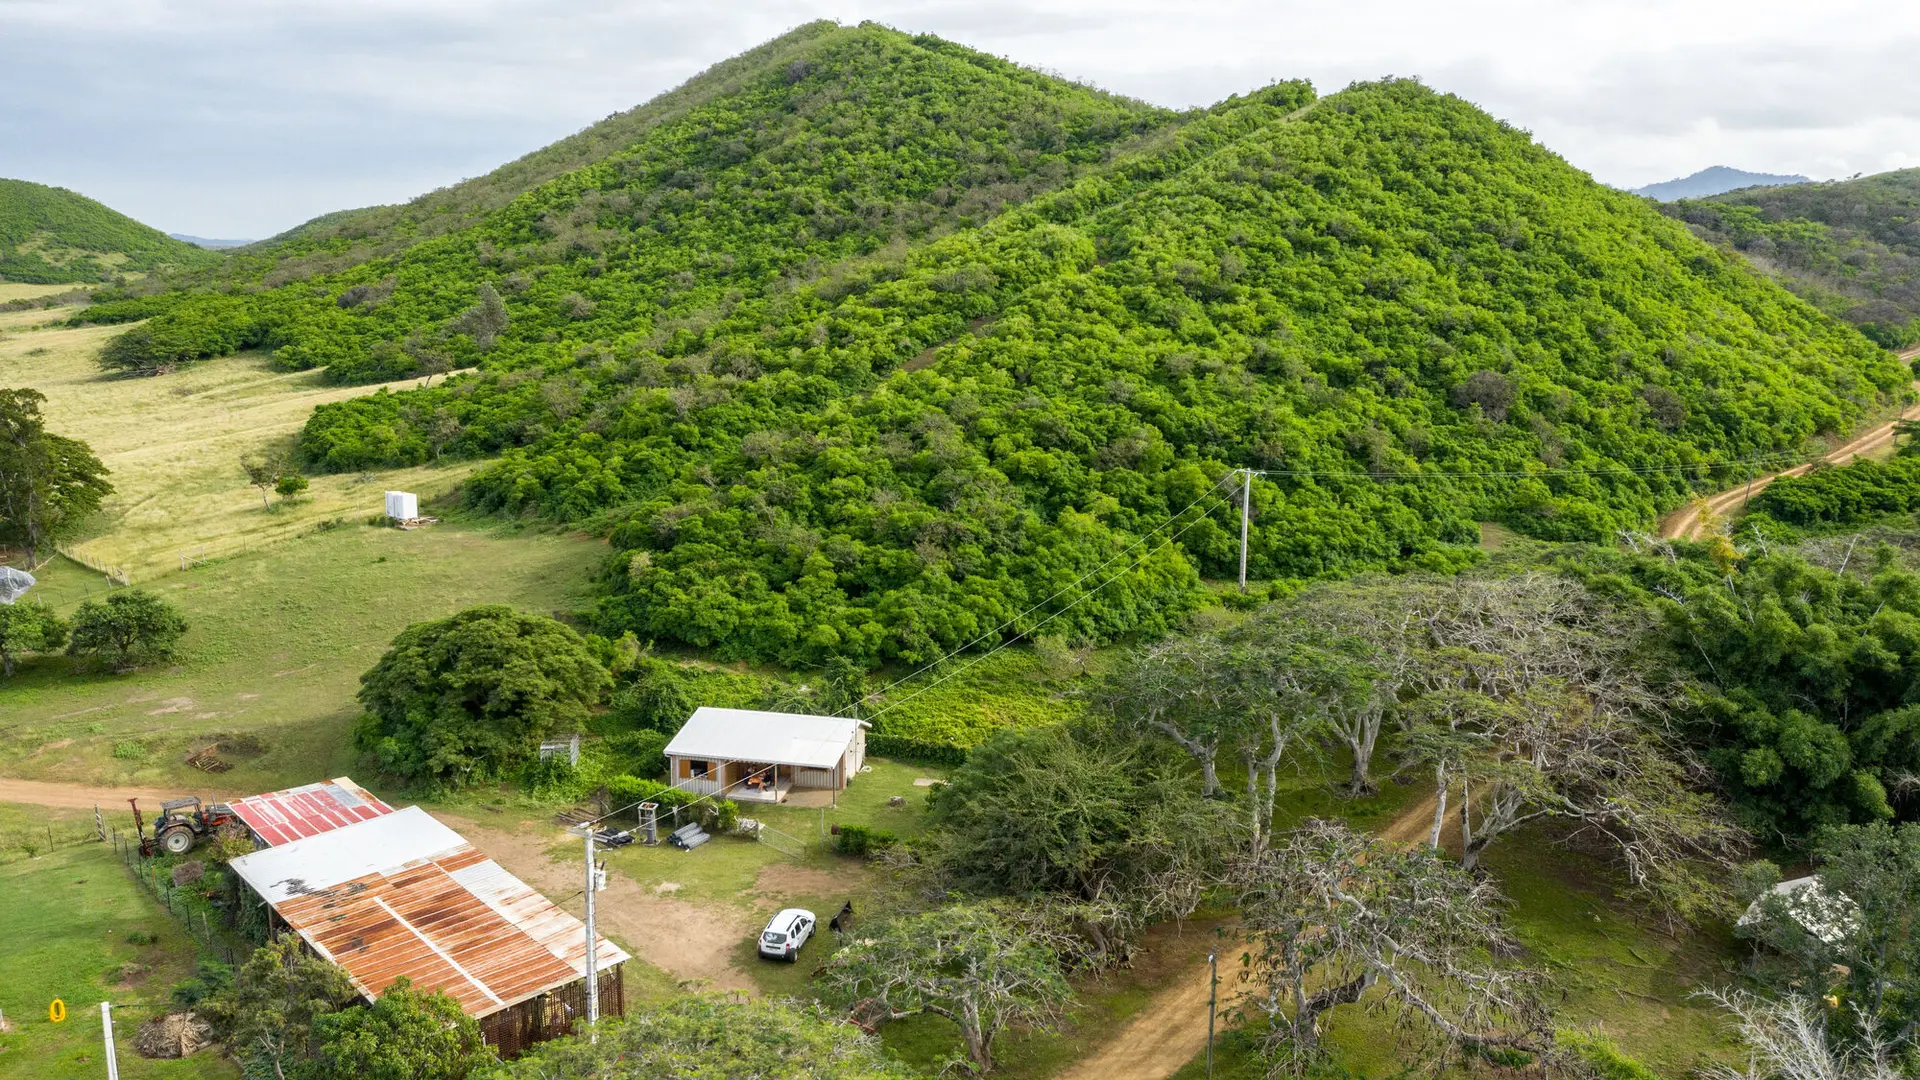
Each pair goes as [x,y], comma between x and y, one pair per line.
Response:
[23,290]
[173,445]
[278,641]
[66,925]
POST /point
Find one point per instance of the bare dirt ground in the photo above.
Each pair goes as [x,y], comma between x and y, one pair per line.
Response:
[1690,522]
[693,943]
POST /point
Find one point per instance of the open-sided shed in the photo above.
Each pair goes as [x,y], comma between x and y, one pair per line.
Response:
[403,895]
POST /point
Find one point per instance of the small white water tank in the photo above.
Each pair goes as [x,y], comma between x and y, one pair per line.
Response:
[403,505]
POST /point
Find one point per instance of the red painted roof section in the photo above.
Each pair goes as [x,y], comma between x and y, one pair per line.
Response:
[284,816]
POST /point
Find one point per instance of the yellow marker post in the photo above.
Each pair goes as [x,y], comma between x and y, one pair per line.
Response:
[57,1011]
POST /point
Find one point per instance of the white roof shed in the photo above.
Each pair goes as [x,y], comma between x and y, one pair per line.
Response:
[1825,913]
[773,738]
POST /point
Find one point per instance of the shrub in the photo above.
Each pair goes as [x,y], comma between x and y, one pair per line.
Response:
[209,978]
[642,753]
[1600,1055]
[861,840]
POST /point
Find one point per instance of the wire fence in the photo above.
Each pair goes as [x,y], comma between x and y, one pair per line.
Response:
[215,918]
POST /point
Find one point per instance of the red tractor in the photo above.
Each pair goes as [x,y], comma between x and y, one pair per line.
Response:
[183,823]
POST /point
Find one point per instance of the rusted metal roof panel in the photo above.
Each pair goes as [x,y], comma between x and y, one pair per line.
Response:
[280,817]
[403,895]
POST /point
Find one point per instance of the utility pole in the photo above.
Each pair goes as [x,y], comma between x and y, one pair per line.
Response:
[1213,992]
[106,1033]
[1246,511]
[593,972]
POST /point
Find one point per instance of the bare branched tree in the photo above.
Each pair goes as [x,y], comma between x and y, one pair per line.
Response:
[1333,914]
[1788,1039]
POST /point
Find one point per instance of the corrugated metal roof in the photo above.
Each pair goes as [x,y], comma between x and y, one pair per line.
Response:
[773,738]
[282,816]
[402,894]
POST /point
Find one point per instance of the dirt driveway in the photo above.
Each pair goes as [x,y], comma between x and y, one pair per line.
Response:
[693,943]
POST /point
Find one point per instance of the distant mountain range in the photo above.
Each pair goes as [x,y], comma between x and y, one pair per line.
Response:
[1714,181]
[201,241]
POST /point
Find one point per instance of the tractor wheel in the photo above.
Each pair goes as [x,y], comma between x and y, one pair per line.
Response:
[178,840]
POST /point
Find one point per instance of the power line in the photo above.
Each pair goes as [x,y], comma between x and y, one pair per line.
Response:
[983,636]
[1496,474]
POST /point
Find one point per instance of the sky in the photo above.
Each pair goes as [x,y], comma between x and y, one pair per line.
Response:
[242,118]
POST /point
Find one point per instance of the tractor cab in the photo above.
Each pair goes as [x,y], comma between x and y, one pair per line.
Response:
[183,823]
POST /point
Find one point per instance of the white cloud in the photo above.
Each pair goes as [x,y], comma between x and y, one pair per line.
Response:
[225,117]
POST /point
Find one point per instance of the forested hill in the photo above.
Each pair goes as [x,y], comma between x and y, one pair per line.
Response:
[840,142]
[50,235]
[1852,247]
[737,86]
[898,342]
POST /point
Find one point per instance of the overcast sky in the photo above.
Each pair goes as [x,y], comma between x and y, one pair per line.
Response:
[240,118]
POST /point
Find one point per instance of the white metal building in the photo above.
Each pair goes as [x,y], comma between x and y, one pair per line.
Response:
[754,756]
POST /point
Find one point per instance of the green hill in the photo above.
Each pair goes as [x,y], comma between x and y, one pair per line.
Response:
[1852,247]
[834,144]
[50,235]
[891,346]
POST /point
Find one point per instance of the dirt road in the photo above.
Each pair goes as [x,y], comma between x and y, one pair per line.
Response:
[81,796]
[1690,522]
[1163,1037]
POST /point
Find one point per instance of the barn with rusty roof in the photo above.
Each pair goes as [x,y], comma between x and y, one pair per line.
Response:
[400,894]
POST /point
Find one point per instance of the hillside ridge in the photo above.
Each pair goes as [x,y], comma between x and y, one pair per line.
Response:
[50,235]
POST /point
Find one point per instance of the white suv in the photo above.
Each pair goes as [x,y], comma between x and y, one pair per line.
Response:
[785,933]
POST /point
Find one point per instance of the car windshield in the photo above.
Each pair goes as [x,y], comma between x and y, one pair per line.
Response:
[772,938]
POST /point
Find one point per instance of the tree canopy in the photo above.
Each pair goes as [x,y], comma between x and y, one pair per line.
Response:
[711,1038]
[471,695]
[49,484]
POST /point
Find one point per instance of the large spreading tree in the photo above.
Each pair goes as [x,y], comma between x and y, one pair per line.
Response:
[470,695]
[49,484]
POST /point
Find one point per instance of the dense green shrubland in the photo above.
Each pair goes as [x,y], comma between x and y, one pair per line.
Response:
[1852,248]
[1805,709]
[859,137]
[1854,494]
[830,398]
[51,235]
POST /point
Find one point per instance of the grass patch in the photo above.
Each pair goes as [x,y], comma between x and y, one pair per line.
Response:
[173,445]
[26,290]
[66,924]
[1017,687]
[277,643]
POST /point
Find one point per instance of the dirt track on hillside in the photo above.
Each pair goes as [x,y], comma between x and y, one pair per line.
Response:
[1690,522]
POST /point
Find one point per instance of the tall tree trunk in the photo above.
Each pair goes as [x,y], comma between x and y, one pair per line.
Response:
[1361,737]
[979,1040]
[1440,804]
